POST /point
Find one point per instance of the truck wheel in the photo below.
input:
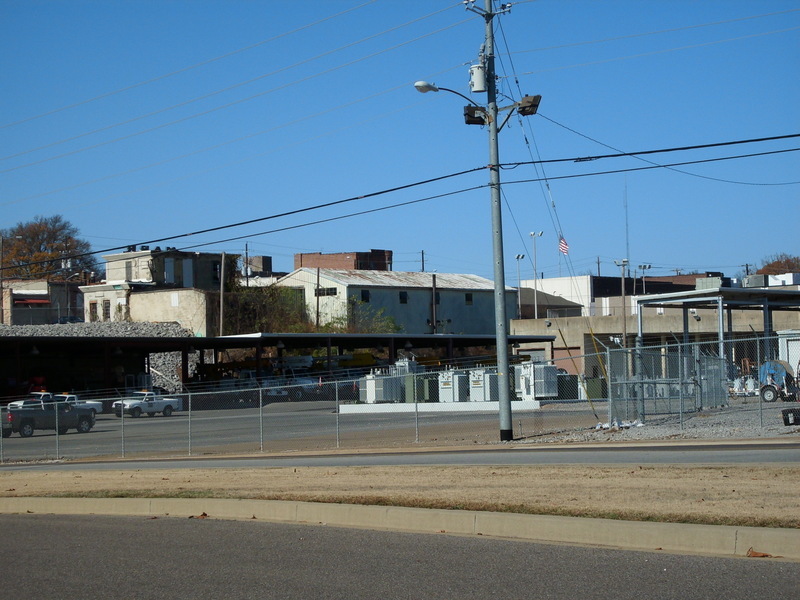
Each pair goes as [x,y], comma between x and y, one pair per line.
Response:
[26,429]
[769,393]
[84,425]
[167,412]
[136,412]
[62,430]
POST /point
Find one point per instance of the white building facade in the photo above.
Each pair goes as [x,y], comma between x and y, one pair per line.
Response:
[417,302]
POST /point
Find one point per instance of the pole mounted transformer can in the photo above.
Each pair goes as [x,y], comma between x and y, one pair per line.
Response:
[477,78]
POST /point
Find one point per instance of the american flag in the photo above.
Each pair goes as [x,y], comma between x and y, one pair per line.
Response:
[563,246]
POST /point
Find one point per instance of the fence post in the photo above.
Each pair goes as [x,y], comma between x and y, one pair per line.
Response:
[609,388]
[336,396]
[758,374]
[58,435]
[189,411]
[639,365]
[416,408]
[681,377]
[122,421]
[261,417]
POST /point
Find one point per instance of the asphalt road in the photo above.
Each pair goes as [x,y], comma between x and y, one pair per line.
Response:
[70,557]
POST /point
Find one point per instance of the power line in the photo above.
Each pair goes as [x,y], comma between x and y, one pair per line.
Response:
[387,191]
[657,166]
[676,149]
[621,154]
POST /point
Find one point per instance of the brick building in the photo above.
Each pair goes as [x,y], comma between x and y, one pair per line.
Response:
[374,260]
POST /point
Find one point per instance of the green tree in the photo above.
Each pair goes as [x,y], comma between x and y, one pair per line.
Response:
[780,263]
[362,318]
[265,309]
[46,248]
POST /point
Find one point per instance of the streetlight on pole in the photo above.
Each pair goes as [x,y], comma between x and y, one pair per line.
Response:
[479,115]
[644,272]
[519,287]
[534,235]
[622,264]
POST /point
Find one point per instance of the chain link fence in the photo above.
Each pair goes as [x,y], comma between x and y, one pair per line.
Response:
[415,404]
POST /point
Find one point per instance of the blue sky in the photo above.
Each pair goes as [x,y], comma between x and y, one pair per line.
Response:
[143,120]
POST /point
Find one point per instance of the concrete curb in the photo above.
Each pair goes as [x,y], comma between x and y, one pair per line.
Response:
[631,535]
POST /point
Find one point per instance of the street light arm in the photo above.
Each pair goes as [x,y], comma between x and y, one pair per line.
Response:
[462,95]
[424,87]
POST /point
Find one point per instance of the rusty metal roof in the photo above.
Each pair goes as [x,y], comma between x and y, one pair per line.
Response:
[405,279]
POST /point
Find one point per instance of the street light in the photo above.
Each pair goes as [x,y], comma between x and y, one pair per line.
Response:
[622,264]
[424,87]
[644,272]
[534,235]
[476,114]
[519,288]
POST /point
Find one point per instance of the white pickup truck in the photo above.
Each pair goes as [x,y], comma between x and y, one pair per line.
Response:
[34,400]
[146,402]
[94,405]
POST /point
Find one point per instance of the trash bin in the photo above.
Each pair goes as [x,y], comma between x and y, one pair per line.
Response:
[791,416]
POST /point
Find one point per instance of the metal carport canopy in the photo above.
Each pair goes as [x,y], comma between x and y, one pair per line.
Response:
[19,350]
[765,300]
[350,341]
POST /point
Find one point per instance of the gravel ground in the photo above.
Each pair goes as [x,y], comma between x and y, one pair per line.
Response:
[106,329]
[742,419]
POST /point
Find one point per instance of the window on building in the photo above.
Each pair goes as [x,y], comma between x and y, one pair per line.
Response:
[106,310]
[468,298]
[325,291]
[365,295]
[188,273]
[169,270]
[92,312]
[403,297]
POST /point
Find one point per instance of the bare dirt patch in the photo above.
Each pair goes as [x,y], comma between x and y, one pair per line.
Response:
[735,495]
